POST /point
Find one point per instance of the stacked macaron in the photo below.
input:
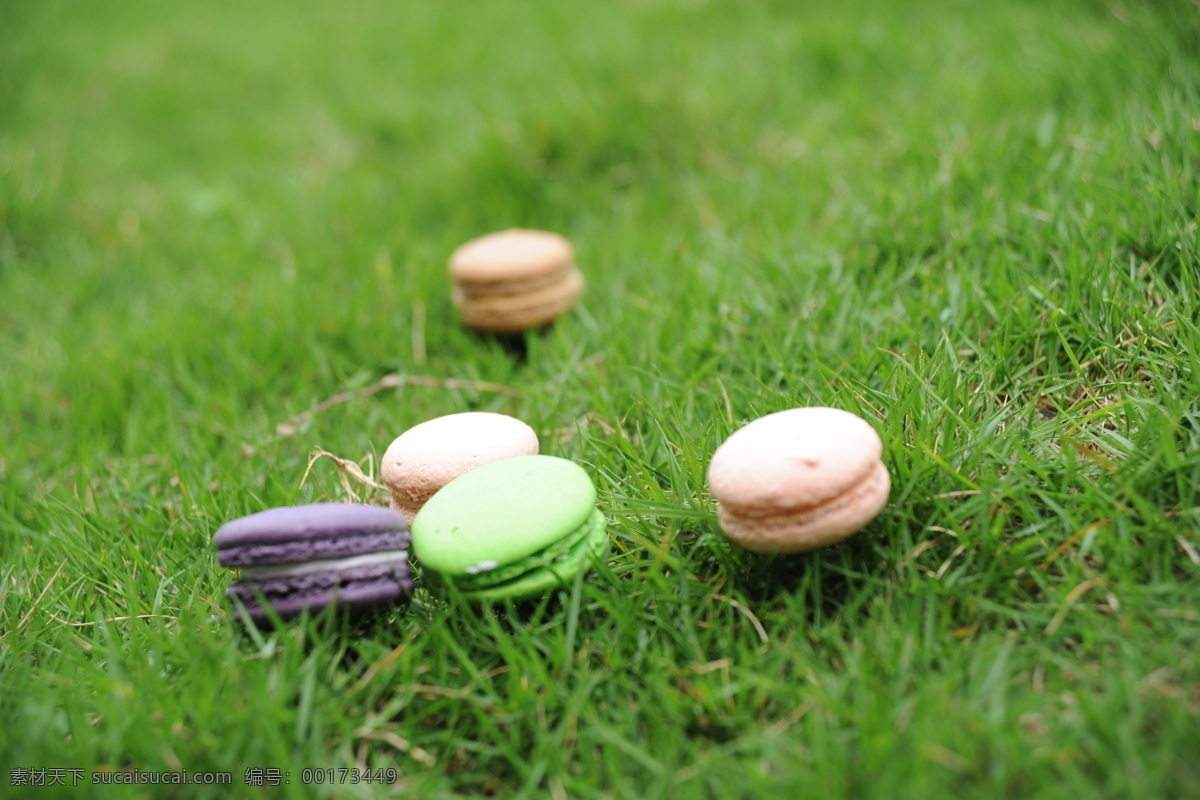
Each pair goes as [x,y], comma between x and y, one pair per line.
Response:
[303,558]
[798,480]
[512,529]
[514,280]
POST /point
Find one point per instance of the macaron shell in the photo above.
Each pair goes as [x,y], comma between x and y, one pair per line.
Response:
[426,457]
[394,570]
[793,458]
[288,523]
[317,531]
[513,254]
[502,512]
[358,590]
[810,528]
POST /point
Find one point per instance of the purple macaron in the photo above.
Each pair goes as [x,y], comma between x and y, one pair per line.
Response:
[299,558]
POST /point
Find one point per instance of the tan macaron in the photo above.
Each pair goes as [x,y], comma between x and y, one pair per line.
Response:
[514,280]
[798,480]
[426,457]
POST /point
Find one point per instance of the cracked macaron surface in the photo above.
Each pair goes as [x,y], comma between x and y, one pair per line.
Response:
[512,529]
[798,480]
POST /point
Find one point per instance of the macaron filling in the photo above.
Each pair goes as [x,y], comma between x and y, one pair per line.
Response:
[265,571]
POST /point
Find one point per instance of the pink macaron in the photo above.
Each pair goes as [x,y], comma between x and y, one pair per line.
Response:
[426,457]
[798,480]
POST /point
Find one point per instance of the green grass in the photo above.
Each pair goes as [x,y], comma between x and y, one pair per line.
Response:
[975,224]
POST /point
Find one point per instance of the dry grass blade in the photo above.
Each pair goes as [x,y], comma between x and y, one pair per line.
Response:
[403,745]
[1076,593]
[118,619]
[1073,540]
[387,660]
[1189,548]
[347,471]
[392,381]
[35,604]
[747,613]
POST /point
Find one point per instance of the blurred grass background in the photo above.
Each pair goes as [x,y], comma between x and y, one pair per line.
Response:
[973,224]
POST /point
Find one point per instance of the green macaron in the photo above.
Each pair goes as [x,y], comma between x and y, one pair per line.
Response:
[511,529]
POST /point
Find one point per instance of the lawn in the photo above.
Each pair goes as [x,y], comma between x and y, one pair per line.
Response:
[973,224]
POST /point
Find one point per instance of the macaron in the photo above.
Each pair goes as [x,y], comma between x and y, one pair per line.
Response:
[304,558]
[514,280]
[798,480]
[512,529]
[426,457]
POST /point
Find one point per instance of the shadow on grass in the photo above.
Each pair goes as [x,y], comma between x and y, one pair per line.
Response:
[829,577]
[514,345]
[332,627]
